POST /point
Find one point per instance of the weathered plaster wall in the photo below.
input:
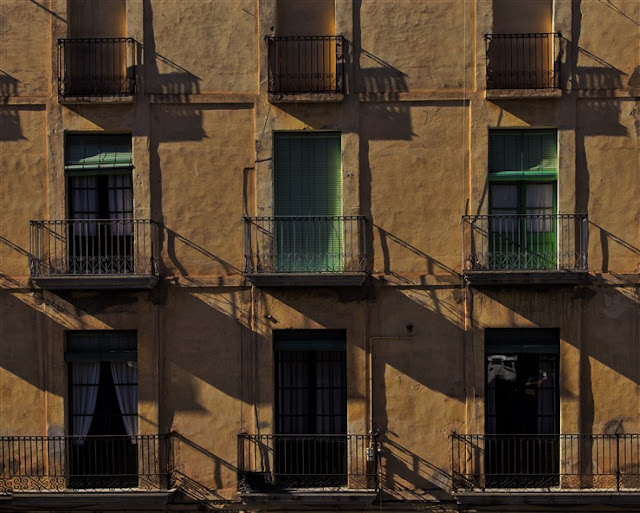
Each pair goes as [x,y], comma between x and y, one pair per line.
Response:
[421,46]
[205,48]
[23,184]
[202,154]
[414,152]
[414,160]
[25,53]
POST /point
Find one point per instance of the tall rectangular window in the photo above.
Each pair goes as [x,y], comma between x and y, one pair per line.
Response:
[308,235]
[98,168]
[522,407]
[523,171]
[311,407]
[103,408]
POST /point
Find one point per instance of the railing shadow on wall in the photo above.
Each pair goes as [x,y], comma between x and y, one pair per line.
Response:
[428,481]
[191,488]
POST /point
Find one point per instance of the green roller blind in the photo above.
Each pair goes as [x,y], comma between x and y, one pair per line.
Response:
[523,153]
[97,154]
[307,174]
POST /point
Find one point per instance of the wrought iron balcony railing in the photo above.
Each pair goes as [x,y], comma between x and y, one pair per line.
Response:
[272,463]
[306,64]
[526,242]
[522,61]
[94,247]
[304,244]
[97,67]
[531,463]
[66,463]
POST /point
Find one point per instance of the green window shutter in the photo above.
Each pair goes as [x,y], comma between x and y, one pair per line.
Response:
[308,189]
[91,154]
[539,150]
[308,174]
[524,154]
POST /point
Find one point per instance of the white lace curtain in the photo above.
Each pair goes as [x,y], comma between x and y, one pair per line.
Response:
[125,379]
[85,380]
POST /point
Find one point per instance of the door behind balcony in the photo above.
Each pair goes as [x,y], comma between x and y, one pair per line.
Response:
[522,417]
[307,233]
[311,409]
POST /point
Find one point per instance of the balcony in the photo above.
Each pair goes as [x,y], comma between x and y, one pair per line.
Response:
[523,66]
[96,70]
[305,250]
[75,471]
[525,248]
[306,68]
[308,469]
[546,468]
[94,254]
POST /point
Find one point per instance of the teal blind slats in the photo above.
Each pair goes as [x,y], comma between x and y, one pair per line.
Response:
[307,174]
[522,152]
[96,154]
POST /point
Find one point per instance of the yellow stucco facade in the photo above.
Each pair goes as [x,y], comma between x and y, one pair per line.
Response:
[415,118]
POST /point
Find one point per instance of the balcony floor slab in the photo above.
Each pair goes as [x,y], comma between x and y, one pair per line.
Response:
[88,282]
[568,498]
[72,499]
[307,279]
[502,278]
[311,498]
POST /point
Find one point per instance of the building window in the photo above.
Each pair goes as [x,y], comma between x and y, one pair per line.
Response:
[523,170]
[308,231]
[305,54]
[311,400]
[103,408]
[522,407]
[98,168]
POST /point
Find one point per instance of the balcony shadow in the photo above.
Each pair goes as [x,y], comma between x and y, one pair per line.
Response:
[175,240]
[608,239]
[10,129]
[407,476]
[41,6]
[210,468]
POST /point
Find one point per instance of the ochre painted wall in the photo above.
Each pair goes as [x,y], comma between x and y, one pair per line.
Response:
[414,126]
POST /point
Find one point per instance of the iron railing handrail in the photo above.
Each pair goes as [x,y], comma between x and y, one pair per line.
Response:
[307,244]
[67,39]
[525,242]
[305,64]
[89,247]
[522,35]
[534,462]
[272,462]
[96,67]
[72,462]
[523,61]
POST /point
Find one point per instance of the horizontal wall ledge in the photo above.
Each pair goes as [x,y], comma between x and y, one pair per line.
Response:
[248,98]
[415,96]
[523,94]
